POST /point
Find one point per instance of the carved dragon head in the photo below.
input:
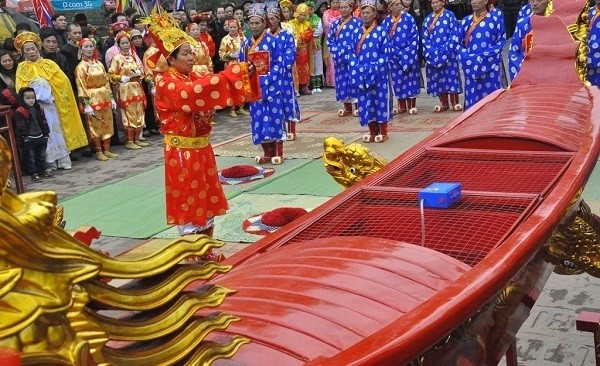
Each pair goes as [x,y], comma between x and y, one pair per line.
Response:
[349,164]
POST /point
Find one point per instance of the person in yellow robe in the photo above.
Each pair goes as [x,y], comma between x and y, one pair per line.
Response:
[303,34]
[229,52]
[127,74]
[95,95]
[55,95]
[203,62]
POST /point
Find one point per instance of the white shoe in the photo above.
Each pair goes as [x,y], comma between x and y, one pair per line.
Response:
[319,90]
[314,91]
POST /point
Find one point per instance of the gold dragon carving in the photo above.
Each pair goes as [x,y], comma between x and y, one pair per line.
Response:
[349,164]
[579,31]
[57,309]
[574,247]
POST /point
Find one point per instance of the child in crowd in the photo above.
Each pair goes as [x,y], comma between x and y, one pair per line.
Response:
[33,130]
[229,51]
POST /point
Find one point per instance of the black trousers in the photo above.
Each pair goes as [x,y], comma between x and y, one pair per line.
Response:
[34,153]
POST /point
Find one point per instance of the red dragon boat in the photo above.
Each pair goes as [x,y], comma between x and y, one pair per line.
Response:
[353,282]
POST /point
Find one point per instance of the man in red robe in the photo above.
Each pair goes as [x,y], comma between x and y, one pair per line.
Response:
[185,101]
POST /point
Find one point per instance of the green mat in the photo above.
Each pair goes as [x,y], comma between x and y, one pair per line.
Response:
[309,179]
[280,171]
[119,209]
[229,227]
[135,207]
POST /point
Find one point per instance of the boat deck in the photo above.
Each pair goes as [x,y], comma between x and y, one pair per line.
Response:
[328,294]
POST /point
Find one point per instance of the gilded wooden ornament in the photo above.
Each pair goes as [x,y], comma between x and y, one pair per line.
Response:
[55,309]
[575,245]
[580,31]
[349,164]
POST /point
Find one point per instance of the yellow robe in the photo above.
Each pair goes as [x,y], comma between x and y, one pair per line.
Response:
[68,113]
[94,90]
[230,45]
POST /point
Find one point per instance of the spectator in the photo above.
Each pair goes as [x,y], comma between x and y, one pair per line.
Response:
[149,116]
[50,51]
[217,35]
[81,19]
[8,94]
[95,96]
[329,16]
[7,23]
[126,72]
[56,97]
[71,50]
[33,131]
[229,9]
[230,53]
[59,23]
[9,45]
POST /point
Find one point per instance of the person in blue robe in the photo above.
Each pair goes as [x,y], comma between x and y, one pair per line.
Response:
[481,39]
[342,39]
[291,110]
[369,73]
[267,118]
[593,56]
[522,40]
[403,33]
[440,39]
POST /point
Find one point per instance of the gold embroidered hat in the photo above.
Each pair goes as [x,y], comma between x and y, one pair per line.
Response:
[25,37]
[165,32]
[286,4]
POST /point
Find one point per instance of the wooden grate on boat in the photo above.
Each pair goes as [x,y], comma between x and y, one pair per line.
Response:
[484,171]
[467,231]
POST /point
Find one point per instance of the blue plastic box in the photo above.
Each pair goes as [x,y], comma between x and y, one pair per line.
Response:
[440,195]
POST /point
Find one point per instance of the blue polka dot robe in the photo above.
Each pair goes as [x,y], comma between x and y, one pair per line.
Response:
[439,50]
[266,115]
[593,57]
[517,52]
[342,39]
[480,56]
[403,50]
[369,72]
[291,110]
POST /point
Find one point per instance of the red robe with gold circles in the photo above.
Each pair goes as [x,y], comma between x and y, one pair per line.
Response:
[185,105]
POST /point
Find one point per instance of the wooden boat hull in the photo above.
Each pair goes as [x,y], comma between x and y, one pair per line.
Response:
[333,287]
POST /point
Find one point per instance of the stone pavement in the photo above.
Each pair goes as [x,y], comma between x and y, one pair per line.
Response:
[548,337]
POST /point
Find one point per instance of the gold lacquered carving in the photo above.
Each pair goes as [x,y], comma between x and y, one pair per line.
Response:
[56,309]
[575,245]
[349,164]
[580,31]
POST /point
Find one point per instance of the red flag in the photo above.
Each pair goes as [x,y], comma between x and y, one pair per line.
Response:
[43,12]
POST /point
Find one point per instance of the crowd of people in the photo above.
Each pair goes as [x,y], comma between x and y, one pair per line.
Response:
[72,90]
